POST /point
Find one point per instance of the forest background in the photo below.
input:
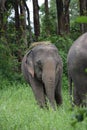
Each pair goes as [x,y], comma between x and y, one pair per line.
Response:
[58,21]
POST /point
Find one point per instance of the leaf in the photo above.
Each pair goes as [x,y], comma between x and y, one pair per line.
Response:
[85,70]
[81,19]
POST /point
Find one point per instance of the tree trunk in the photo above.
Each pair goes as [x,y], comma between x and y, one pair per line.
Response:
[59,4]
[18,33]
[17,20]
[36,19]
[2,15]
[2,5]
[23,22]
[83,12]
[63,16]
[29,25]
[47,19]
[67,19]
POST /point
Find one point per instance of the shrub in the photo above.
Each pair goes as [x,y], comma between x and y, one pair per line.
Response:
[79,118]
[63,44]
[8,62]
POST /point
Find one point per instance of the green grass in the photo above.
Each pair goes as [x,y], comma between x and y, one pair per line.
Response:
[19,111]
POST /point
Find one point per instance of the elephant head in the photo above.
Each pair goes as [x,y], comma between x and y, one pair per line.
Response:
[42,68]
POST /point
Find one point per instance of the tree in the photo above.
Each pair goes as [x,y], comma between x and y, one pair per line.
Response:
[36,19]
[83,12]
[2,5]
[29,25]
[23,22]
[17,21]
[53,17]
[66,16]
[3,17]
[47,18]
[63,16]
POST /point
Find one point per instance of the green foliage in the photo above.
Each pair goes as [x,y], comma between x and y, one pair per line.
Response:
[19,111]
[9,65]
[73,10]
[48,23]
[85,70]
[79,118]
[6,59]
[63,44]
[81,19]
[74,31]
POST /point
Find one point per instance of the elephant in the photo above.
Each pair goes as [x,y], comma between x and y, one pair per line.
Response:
[77,71]
[42,69]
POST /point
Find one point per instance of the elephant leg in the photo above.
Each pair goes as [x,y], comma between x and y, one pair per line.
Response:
[51,96]
[77,99]
[83,99]
[58,95]
[38,91]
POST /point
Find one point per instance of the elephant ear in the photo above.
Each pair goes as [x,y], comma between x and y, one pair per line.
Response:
[29,63]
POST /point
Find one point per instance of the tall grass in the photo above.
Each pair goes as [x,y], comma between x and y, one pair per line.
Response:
[19,111]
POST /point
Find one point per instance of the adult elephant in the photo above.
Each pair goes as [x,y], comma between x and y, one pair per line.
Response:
[77,70]
[42,68]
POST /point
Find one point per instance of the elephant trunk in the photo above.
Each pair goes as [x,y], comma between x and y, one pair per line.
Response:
[48,78]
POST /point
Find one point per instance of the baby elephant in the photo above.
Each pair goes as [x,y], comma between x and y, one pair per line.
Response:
[42,68]
[77,70]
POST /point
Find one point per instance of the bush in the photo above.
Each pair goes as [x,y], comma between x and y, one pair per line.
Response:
[63,44]
[8,62]
[79,118]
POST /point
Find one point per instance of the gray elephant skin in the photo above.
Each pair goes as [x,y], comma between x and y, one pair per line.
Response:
[77,70]
[42,68]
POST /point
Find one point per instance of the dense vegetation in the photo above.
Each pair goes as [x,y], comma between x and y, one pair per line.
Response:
[18,108]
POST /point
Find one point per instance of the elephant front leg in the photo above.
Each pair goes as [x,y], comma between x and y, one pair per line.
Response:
[76,97]
[38,91]
[51,97]
[58,95]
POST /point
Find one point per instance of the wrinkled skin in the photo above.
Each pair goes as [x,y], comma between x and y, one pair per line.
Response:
[42,68]
[77,70]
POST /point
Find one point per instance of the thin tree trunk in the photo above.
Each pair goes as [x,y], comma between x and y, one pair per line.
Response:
[59,4]
[18,33]
[36,19]
[63,16]
[67,19]
[23,22]
[2,5]
[83,12]
[47,19]
[3,25]
[29,25]
[17,20]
